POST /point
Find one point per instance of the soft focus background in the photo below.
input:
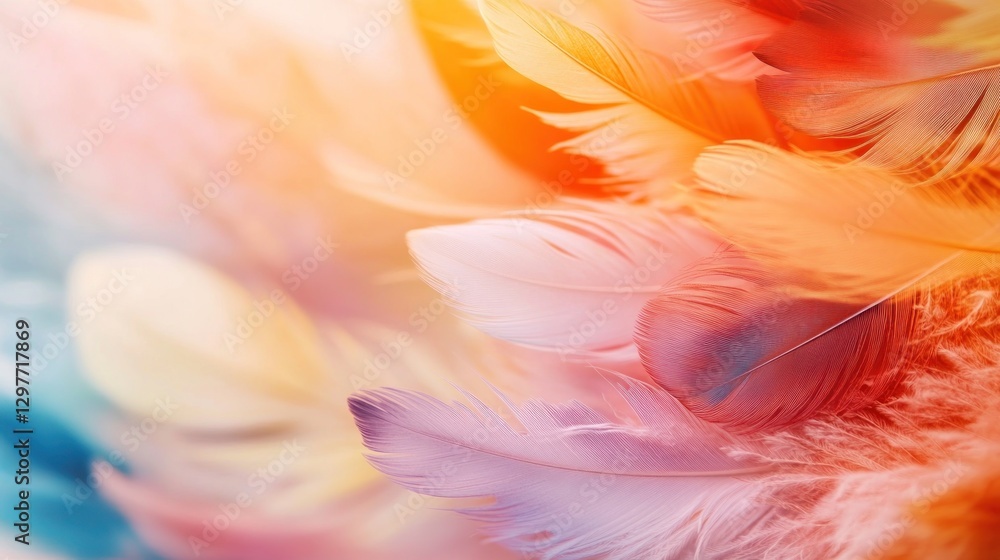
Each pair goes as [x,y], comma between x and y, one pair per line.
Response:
[223,218]
[203,220]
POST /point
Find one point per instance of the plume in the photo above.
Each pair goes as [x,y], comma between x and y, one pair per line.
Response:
[722,35]
[907,107]
[851,233]
[836,486]
[570,279]
[692,9]
[567,482]
[462,48]
[666,115]
[171,365]
[737,349]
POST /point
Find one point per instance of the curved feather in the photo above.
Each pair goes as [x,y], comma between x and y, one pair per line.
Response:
[570,280]
[907,107]
[851,233]
[747,13]
[461,47]
[738,350]
[624,139]
[596,69]
[180,332]
[721,35]
[567,482]
[690,10]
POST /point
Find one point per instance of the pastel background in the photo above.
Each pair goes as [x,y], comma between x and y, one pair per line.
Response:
[223,218]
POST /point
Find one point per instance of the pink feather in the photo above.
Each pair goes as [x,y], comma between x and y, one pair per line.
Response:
[571,279]
[737,350]
[568,482]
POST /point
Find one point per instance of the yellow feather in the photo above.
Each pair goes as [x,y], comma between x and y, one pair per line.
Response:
[845,232]
[665,112]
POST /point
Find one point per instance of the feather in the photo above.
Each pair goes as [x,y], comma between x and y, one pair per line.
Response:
[900,473]
[723,34]
[908,108]
[462,49]
[177,526]
[200,178]
[691,10]
[363,179]
[851,233]
[179,529]
[568,482]
[621,138]
[185,333]
[972,31]
[961,522]
[738,350]
[458,23]
[839,488]
[599,70]
[570,280]
[158,293]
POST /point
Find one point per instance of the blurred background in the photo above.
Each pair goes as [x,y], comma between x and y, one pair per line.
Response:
[204,214]
[204,233]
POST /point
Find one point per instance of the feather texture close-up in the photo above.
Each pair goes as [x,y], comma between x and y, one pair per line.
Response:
[499,279]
